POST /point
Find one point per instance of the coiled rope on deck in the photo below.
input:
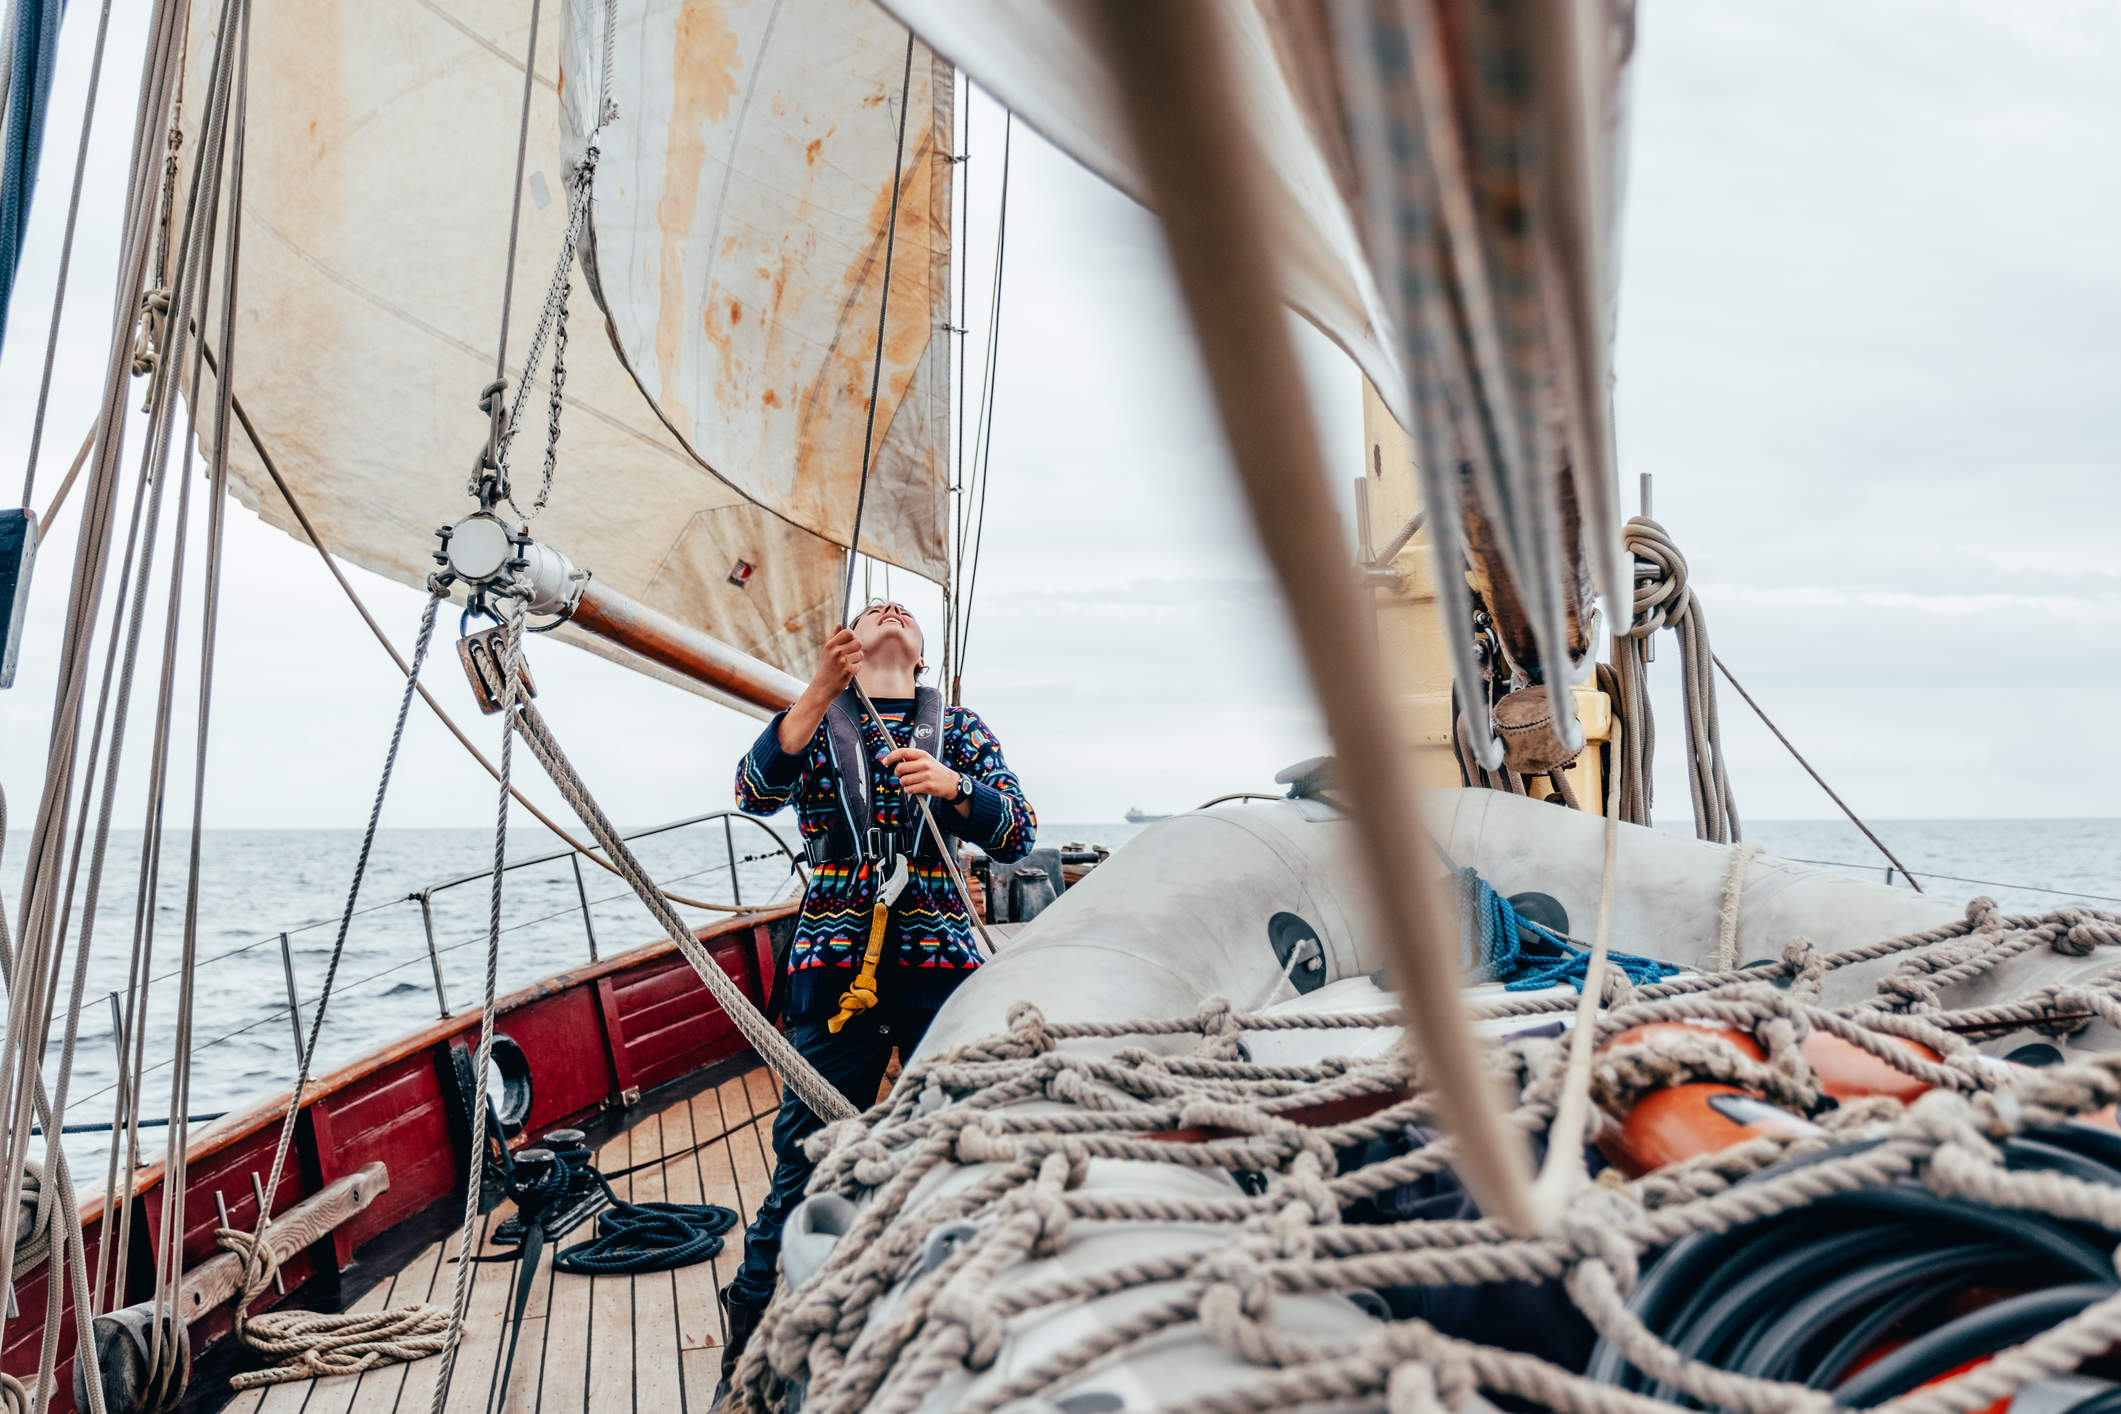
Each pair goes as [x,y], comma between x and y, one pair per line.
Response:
[647,1237]
[312,1344]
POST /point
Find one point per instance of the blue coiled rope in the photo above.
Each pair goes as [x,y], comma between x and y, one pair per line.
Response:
[631,1237]
[1493,946]
[647,1237]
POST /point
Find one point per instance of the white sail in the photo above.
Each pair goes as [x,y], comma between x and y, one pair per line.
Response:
[381,150]
[739,241]
[1039,59]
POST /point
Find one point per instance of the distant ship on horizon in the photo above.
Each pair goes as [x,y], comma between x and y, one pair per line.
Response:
[1137,816]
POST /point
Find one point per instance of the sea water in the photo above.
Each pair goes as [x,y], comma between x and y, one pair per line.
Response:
[256,885]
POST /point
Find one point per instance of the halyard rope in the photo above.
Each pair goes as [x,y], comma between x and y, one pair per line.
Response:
[1663,600]
[508,658]
[1024,1118]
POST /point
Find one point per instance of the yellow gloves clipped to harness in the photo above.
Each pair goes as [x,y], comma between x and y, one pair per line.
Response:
[861,994]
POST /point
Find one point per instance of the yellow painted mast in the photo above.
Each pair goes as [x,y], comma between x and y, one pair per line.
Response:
[1410,639]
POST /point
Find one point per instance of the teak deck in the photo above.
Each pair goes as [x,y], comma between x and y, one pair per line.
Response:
[654,1341]
[596,1039]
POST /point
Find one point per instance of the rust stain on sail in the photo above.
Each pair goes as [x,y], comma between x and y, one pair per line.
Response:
[705,68]
[743,274]
[833,409]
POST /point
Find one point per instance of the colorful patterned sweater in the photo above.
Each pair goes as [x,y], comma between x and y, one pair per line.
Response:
[928,946]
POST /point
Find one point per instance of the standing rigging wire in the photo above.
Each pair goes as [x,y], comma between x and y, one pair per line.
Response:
[961,195]
[66,254]
[883,309]
[976,527]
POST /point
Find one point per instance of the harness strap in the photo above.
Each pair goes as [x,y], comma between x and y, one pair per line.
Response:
[854,835]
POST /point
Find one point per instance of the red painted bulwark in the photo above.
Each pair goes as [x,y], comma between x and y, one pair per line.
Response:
[670,1021]
[639,1019]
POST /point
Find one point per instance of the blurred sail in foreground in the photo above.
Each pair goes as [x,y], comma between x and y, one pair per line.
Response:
[738,244]
[381,149]
[1444,177]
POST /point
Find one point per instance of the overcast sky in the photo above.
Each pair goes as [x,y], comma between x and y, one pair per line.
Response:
[1869,347]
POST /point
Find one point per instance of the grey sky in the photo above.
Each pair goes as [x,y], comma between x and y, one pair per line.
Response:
[1870,329]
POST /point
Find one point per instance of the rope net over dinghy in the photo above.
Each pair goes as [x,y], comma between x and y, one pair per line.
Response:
[973,1268]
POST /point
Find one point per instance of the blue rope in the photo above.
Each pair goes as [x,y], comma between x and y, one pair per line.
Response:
[1493,947]
[631,1237]
[647,1237]
[36,46]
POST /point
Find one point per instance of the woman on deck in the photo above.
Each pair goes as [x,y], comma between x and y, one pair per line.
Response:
[850,779]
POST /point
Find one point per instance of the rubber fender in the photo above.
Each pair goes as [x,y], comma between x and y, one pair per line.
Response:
[1848,1072]
[1687,1121]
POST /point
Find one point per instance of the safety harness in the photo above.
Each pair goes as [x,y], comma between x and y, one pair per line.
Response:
[856,837]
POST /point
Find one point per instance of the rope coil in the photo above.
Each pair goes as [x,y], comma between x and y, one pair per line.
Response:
[1664,600]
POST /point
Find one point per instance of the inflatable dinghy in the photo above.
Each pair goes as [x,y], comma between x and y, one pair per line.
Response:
[1059,1203]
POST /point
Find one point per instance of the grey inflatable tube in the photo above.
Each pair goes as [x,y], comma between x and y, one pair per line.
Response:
[1191,909]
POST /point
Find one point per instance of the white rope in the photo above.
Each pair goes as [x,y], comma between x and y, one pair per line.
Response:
[1735,868]
[1563,1171]
[314,1344]
[1023,1116]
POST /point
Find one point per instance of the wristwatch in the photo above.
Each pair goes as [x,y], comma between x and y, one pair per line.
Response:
[964,788]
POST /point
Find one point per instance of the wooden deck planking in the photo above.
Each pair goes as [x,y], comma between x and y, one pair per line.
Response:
[485,1320]
[692,1288]
[657,1383]
[764,1089]
[521,1396]
[563,1380]
[379,1388]
[718,1185]
[747,1156]
[611,1310]
[703,1371]
[649,1341]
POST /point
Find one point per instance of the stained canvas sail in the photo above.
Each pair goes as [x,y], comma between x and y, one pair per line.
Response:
[381,151]
[739,242]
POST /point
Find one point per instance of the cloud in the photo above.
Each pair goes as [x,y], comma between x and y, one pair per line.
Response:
[1867,349]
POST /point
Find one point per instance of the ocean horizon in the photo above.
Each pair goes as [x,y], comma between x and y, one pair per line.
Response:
[257,884]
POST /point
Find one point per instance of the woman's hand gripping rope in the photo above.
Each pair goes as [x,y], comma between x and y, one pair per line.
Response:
[861,994]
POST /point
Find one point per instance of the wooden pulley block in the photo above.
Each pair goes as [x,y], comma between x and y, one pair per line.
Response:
[481,655]
[1531,739]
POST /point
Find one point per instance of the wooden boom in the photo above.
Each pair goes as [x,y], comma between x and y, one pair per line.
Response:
[662,640]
